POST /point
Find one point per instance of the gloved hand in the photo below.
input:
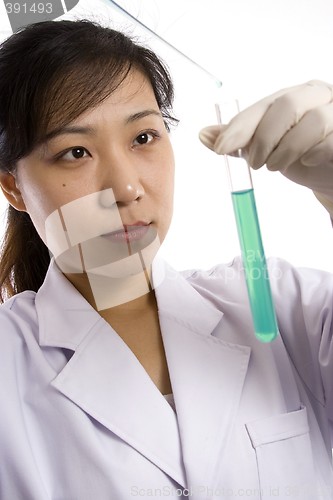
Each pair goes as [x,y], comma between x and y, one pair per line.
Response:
[290,131]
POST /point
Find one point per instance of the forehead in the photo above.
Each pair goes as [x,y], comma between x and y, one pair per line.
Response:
[133,94]
[135,85]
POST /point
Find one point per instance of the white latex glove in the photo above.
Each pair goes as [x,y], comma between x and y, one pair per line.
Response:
[290,131]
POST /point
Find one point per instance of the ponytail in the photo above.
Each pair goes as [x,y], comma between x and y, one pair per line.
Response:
[24,258]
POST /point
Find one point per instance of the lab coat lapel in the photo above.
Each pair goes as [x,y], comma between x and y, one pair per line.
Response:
[117,392]
[106,380]
[207,376]
[206,373]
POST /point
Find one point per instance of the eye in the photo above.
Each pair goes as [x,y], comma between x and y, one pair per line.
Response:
[145,138]
[75,153]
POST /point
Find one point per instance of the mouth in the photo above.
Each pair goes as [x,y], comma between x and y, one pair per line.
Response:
[129,233]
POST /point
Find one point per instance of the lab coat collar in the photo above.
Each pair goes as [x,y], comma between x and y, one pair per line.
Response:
[177,299]
[61,326]
[57,304]
[206,374]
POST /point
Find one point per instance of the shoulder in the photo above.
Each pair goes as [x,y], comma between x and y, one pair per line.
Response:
[280,271]
[287,281]
[301,284]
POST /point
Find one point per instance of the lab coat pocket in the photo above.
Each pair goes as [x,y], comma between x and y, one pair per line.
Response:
[284,456]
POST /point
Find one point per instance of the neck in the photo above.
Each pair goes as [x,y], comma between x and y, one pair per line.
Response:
[122,295]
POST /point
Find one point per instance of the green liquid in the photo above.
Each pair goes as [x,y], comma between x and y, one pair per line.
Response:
[254,261]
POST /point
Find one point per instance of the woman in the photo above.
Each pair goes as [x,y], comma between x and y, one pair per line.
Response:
[121,377]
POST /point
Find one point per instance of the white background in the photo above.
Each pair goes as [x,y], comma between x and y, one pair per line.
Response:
[255,47]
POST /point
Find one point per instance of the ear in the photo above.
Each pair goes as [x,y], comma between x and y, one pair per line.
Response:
[11,191]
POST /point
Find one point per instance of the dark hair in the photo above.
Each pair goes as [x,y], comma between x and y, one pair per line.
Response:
[50,73]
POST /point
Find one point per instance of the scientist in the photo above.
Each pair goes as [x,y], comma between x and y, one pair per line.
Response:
[120,377]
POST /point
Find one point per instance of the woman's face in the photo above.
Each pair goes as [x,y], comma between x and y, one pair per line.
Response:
[115,161]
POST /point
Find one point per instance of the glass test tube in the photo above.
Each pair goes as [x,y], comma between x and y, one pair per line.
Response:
[253,256]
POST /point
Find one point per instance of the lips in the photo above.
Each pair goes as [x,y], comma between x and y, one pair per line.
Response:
[129,233]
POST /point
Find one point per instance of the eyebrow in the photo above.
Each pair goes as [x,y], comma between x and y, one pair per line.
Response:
[69,129]
[142,114]
[72,129]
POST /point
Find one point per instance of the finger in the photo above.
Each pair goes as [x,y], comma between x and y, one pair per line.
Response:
[208,135]
[309,131]
[242,127]
[321,154]
[283,114]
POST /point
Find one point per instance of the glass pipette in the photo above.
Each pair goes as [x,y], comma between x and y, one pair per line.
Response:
[253,256]
[136,20]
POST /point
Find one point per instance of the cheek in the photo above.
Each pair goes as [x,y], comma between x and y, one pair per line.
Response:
[40,202]
[164,195]
[164,178]
[163,190]
[41,198]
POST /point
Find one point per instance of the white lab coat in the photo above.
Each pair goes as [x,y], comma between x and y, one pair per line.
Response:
[252,420]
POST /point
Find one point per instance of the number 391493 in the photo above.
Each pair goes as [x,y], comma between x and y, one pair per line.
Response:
[23,8]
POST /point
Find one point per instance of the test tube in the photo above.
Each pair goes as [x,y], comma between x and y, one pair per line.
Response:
[252,251]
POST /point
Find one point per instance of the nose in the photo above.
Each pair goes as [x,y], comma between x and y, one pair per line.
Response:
[124,179]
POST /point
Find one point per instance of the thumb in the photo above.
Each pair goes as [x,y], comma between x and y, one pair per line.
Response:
[209,135]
